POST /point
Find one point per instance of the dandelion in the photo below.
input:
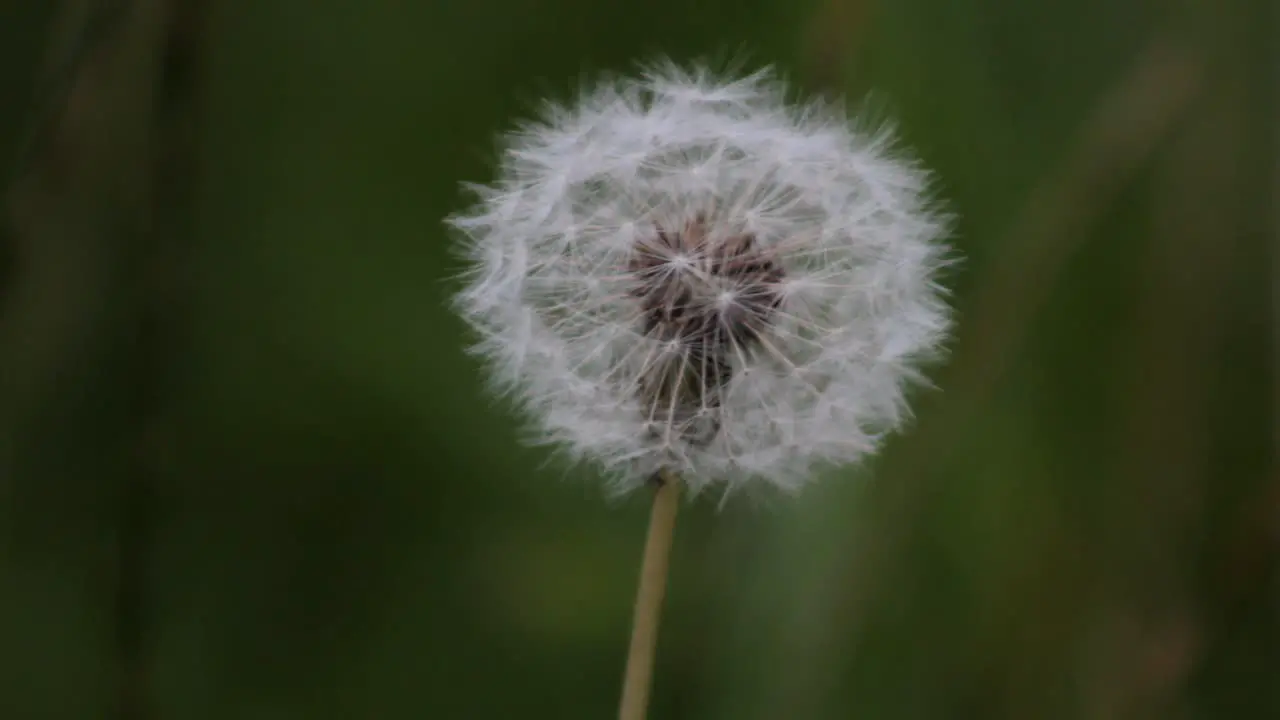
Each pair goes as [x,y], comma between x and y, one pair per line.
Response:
[685,273]
[684,278]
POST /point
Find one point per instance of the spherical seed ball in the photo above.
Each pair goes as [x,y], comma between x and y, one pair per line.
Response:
[682,271]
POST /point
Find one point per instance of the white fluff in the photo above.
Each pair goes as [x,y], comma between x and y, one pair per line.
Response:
[844,213]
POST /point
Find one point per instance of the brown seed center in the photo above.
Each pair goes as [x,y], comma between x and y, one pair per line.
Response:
[712,297]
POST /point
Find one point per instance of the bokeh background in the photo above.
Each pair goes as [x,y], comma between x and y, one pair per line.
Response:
[247,470]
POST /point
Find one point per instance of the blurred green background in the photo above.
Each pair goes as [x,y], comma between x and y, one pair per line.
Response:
[247,471]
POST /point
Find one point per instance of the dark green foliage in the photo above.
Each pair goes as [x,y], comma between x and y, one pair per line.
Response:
[248,471]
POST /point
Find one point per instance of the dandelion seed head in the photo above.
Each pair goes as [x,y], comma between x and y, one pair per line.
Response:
[684,271]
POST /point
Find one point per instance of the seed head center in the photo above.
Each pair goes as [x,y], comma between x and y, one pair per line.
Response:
[710,296]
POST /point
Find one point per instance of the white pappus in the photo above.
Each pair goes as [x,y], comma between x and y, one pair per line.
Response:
[684,271]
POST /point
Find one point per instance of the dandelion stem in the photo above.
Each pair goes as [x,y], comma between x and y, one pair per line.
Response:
[649,596]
